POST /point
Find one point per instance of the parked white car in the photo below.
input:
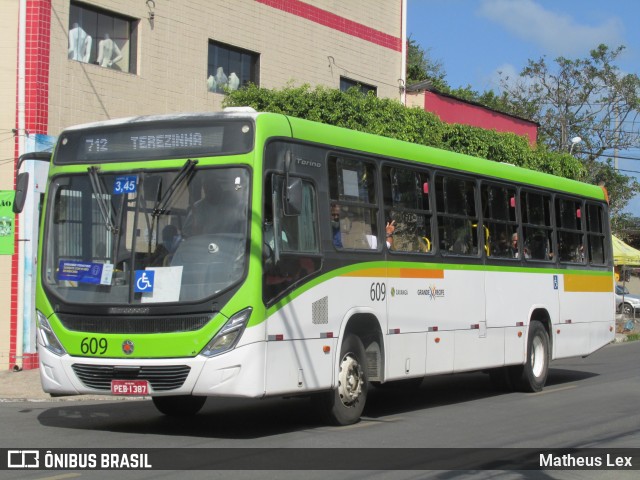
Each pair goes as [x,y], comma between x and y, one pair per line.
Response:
[625,302]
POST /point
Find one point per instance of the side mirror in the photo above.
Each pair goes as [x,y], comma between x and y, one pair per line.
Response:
[22,180]
[22,184]
[293,197]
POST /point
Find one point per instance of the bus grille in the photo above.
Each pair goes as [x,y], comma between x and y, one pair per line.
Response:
[161,378]
[145,324]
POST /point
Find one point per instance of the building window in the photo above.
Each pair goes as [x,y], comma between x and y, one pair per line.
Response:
[347,83]
[230,68]
[101,37]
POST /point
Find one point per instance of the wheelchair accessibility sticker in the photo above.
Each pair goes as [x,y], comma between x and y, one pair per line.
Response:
[144,281]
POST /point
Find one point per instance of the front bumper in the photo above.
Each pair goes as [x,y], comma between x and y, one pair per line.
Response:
[238,373]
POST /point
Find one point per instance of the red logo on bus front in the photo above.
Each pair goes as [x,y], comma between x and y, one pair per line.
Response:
[127,347]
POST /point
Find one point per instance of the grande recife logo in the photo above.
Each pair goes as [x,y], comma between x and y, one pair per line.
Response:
[432,292]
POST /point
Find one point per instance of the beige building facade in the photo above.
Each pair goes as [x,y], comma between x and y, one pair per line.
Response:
[69,62]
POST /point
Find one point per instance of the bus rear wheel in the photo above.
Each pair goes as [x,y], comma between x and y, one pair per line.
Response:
[532,376]
[179,405]
[344,404]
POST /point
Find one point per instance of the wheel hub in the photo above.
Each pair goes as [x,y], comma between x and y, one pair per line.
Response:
[350,380]
[537,357]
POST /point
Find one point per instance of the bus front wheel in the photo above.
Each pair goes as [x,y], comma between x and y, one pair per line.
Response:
[344,404]
[179,405]
[532,376]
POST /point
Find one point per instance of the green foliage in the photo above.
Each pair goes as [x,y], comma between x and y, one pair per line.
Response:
[627,228]
[351,109]
[621,187]
[389,118]
[420,66]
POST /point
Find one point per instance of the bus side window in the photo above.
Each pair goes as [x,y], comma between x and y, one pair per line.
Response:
[569,230]
[595,230]
[406,202]
[499,212]
[456,207]
[536,226]
[353,203]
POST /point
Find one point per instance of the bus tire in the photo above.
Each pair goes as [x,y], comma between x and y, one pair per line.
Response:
[344,404]
[179,405]
[532,376]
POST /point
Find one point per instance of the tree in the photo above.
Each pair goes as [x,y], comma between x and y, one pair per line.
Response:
[588,98]
[420,66]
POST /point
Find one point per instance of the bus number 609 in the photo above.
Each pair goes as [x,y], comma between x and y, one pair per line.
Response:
[377,292]
[94,345]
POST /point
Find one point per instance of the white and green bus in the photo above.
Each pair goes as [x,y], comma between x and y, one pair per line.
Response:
[244,254]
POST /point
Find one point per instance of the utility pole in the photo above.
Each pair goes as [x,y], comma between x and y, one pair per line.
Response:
[615,137]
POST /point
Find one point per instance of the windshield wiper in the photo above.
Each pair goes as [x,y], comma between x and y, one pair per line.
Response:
[185,172]
[105,207]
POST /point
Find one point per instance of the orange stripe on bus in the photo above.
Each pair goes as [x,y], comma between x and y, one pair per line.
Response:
[397,273]
[587,283]
[369,272]
[417,273]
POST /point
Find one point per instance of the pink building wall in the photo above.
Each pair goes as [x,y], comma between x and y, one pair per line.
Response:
[451,110]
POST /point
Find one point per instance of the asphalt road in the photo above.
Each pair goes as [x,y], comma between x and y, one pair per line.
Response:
[588,403]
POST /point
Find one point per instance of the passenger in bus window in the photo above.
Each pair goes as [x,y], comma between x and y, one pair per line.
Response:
[212,213]
[514,246]
[538,245]
[500,247]
[171,238]
[336,235]
[389,231]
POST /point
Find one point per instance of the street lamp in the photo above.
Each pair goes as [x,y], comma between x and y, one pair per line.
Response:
[574,142]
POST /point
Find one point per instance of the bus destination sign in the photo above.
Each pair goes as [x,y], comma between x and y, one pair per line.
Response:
[154,141]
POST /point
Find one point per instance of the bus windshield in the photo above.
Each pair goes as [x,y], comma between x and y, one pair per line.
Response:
[146,237]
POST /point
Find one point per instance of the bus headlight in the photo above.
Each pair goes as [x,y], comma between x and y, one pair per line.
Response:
[229,334]
[46,337]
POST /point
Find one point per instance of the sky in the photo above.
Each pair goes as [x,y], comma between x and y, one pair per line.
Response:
[476,39]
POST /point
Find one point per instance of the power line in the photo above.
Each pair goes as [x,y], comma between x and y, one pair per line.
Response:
[628,171]
[608,155]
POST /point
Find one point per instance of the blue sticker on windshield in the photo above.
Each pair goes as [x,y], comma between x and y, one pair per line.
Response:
[125,184]
[144,281]
[85,272]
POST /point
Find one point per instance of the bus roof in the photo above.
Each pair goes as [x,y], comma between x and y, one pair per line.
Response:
[375,145]
[169,117]
[378,145]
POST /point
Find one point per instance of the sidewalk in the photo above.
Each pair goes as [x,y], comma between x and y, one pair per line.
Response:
[25,385]
[21,385]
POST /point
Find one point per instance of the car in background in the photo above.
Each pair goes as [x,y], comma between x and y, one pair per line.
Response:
[625,302]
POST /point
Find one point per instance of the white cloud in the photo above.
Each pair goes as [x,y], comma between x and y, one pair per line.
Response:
[508,73]
[505,71]
[555,33]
